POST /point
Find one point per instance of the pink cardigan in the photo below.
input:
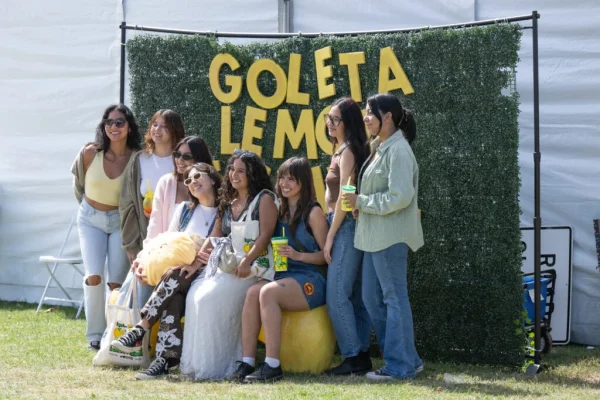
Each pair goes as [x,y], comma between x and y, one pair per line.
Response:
[163,205]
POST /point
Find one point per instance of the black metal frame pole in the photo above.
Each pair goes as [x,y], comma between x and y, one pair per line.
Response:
[123,27]
[537,219]
[315,34]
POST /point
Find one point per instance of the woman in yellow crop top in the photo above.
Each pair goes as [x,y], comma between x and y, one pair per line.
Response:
[98,177]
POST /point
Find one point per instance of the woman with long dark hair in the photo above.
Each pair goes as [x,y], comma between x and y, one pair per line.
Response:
[214,303]
[344,300]
[388,225]
[98,179]
[301,287]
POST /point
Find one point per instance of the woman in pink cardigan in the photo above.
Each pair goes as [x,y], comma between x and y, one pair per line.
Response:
[170,189]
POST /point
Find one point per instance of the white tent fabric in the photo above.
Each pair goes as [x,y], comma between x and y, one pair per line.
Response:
[59,68]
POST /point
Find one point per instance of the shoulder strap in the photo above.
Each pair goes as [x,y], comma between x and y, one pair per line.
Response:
[312,204]
[256,203]
[186,216]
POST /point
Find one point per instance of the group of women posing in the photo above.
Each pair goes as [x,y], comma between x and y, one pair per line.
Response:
[366,250]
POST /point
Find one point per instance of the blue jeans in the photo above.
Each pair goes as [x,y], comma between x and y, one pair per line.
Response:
[344,292]
[100,242]
[143,293]
[385,294]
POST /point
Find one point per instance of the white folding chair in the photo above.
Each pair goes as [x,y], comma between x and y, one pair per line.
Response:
[52,262]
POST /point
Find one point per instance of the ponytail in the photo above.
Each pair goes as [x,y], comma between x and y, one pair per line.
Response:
[408,125]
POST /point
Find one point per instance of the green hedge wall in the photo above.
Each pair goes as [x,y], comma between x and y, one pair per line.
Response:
[464,283]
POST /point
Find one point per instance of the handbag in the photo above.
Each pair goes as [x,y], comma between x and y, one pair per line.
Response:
[121,316]
[244,233]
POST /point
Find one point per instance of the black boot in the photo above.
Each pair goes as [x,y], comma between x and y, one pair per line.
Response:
[359,364]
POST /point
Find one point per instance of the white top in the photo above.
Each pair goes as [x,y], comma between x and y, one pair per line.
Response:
[200,221]
[152,168]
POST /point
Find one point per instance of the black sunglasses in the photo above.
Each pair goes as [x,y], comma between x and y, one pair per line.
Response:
[119,122]
[185,156]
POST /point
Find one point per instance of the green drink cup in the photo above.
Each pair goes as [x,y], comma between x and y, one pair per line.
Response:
[347,189]
[279,260]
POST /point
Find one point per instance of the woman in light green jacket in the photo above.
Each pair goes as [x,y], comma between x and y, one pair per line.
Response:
[388,225]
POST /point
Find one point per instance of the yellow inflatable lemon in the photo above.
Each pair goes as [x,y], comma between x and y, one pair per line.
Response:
[307,341]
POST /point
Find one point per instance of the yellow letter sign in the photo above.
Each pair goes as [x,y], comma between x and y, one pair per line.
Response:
[388,62]
[234,82]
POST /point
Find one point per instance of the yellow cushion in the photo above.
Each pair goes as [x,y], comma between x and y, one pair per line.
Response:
[166,250]
[307,341]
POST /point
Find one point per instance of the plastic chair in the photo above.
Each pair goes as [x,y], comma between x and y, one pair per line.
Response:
[52,263]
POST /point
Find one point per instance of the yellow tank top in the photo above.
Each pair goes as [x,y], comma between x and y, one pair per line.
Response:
[100,187]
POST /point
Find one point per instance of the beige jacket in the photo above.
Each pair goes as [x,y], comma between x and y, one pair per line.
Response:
[78,171]
[134,224]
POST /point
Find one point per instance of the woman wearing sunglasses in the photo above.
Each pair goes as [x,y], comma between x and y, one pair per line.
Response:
[167,302]
[141,175]
[98,178]
[170,189]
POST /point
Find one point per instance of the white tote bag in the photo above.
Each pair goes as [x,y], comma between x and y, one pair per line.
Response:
[121,316]
[244,233]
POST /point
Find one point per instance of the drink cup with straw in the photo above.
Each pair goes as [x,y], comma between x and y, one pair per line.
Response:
[348,188]
[279,260]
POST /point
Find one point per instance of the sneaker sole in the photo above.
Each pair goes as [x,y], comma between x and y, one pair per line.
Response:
[145,377]
[420,369]
[128,350]
[374,377]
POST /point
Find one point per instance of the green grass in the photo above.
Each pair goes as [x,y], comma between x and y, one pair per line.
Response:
[44,356]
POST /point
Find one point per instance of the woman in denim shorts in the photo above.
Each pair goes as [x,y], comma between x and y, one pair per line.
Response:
[302,287]
[98,170]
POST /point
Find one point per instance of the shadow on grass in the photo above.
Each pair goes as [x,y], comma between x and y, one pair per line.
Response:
[67,312]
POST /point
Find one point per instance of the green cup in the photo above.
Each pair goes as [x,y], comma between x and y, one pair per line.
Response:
[279,260]
[347,189]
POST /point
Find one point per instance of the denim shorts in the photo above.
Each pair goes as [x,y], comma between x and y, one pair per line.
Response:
[313,285]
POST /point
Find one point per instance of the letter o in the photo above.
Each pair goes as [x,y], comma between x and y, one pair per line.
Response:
[267,102]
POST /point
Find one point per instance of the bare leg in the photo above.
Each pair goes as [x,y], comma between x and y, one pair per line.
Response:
[285,294]
[251,319]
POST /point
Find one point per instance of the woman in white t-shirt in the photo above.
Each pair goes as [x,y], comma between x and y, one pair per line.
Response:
[142,174]
[168,299]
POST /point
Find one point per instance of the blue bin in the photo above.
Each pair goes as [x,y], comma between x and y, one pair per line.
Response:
[528,284]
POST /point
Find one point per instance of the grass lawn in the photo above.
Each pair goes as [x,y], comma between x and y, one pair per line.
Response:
[44,356]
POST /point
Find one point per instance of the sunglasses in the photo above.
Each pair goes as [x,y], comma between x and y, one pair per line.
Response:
[119,122]
[193,178]
[185,156]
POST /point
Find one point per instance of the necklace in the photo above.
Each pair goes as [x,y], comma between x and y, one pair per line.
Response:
[203,215]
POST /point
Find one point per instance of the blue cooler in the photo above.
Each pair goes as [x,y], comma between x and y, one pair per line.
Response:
[528,284]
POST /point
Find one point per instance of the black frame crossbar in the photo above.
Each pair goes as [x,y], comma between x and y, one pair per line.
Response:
[534,16]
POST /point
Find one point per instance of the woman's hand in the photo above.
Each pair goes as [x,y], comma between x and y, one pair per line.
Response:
[350,199]
[243,268]
[134,265]
[327,249]
[289,252]
[203,256]
[140,274]
[355,213]
[146,214]
[188,270]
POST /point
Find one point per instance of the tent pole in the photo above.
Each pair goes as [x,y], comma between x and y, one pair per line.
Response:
[123,27]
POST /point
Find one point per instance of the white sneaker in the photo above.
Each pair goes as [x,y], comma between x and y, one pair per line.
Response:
[379,375]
